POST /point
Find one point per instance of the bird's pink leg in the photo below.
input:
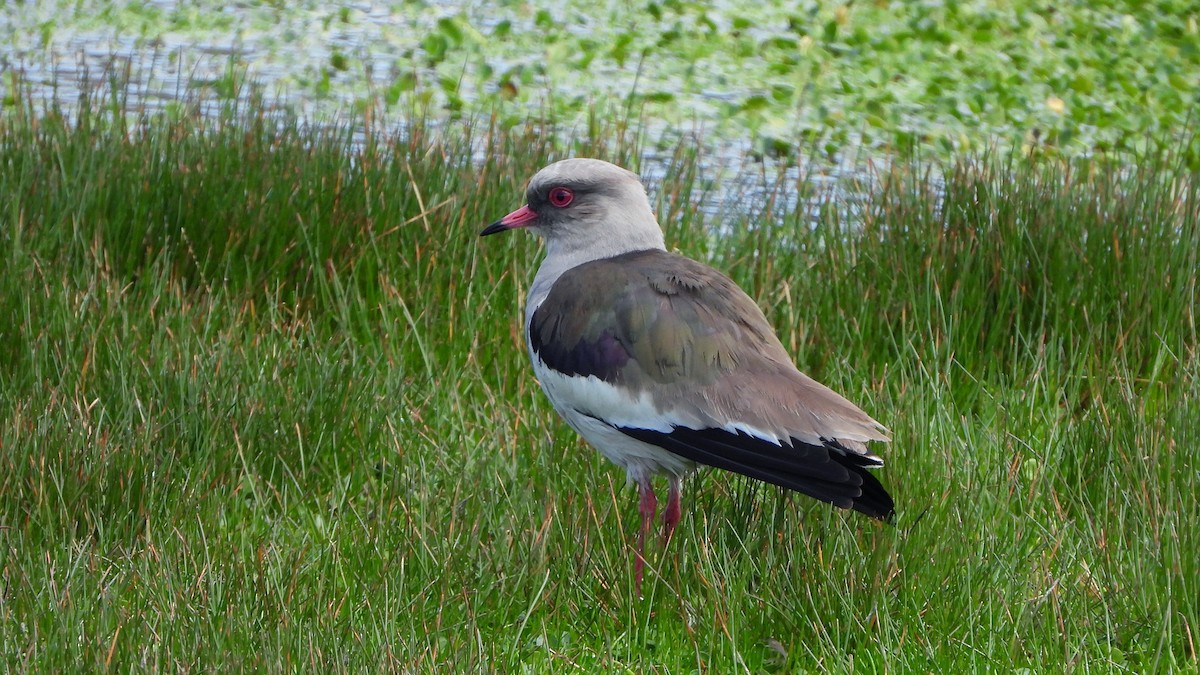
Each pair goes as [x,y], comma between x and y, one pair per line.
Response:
[647,507]
[672,512]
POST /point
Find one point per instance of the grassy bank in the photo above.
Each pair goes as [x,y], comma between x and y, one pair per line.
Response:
[264,404]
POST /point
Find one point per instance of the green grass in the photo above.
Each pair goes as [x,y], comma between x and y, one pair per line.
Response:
[264,404]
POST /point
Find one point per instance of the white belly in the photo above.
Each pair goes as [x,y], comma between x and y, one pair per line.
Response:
[592,408]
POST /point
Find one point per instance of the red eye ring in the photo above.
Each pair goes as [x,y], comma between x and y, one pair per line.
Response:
[561,196]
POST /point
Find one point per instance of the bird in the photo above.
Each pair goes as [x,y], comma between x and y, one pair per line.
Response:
[664,364]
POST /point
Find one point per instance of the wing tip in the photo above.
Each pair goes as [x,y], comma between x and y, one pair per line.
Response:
[835,475]
[874,500]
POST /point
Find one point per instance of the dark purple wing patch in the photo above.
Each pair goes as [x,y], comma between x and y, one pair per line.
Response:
[603,356]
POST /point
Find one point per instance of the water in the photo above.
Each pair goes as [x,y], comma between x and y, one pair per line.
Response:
[161,53]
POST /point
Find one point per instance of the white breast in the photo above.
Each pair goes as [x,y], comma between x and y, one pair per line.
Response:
[595,408]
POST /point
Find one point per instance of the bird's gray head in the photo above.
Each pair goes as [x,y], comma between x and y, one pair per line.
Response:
[586,209]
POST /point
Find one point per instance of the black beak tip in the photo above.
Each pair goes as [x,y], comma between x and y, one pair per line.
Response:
[495,227]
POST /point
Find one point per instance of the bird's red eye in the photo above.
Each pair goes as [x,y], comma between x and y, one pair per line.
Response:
[561,196]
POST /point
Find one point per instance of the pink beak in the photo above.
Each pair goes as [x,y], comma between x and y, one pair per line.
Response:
[522,217]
